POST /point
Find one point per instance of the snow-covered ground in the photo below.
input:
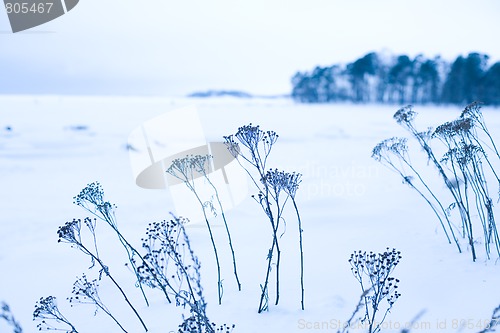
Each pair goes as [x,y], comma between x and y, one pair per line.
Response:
[57,145]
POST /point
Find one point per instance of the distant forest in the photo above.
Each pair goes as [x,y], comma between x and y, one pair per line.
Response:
[377,78]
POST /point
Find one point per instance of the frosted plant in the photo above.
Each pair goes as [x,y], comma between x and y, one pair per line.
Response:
[86,292]
[405,117]
[201,165]
[169,264]
[7,315]
[397,147]
[185,169]
[465,158]
[461,168]
[91,198]
[290,186]
[373,272]
[494,322]
[251,146]
[71,233]
[168,251]
[474,113]
[258,145]
[190,325]
[353,318]
[46,310]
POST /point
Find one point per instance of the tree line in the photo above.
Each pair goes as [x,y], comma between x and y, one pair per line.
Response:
[376,78]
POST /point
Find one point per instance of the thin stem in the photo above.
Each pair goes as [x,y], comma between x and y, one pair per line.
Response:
[227,231]
[106,271]
[301,253]
[219,283]
[439,203]
[181,167]
[109,219]
[266,205]
[110,315]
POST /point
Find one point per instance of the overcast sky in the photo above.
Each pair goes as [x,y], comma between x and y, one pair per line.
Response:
[164,47]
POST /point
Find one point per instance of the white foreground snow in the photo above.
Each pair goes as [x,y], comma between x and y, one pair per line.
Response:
[348,202]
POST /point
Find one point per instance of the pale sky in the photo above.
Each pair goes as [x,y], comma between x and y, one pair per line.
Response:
[164,47]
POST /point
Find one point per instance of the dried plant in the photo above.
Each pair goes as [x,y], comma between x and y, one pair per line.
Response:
[290,186]
[46,310]
[91,198]
[258,145]
[474,113]
[169,264]
[71,233]
[87,292]
[186,170]
[373,272]
[405,117]
[7,315]
[168,251]
[353,318]
[494,322]
[201,164]
[397,147]
[251,147]
[461,168]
